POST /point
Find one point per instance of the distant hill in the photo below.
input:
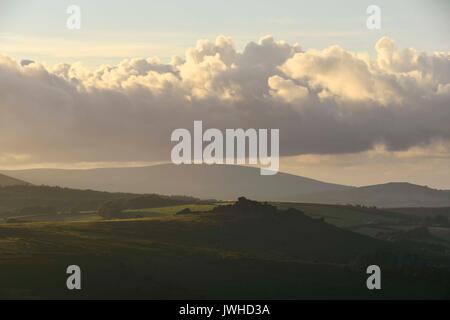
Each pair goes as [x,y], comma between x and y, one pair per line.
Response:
[203,181]
[8,181]
[227,182]
[395,194]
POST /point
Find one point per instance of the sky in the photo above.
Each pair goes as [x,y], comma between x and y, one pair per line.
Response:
[354,106]
[114,30]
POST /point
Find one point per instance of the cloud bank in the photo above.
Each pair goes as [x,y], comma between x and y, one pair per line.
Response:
[324,102]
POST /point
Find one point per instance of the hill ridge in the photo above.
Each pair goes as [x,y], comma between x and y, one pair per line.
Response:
[10,181]
[225,182]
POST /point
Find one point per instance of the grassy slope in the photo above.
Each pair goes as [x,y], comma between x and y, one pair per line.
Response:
[9,181]
[16,197]
[194,256]
[170,210]
[372,221]
[13,200]
[343,216]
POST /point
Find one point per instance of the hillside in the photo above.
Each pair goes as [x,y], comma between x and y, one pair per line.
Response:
[31,199]
[227,182]
[203,181]
[8,181]
[244,250]
[383,195]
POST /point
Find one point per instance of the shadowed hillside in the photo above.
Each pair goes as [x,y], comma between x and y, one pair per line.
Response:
[8,181]
[31,199]
[243,250]
[262,227]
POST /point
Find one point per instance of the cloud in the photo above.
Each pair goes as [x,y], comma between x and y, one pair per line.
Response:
[324,102]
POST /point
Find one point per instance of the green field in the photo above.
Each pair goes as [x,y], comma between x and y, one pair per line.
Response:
[172,209]
[93,216]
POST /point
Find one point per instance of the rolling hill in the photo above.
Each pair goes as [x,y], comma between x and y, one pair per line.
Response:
[32,199]
[246,250]
[8,181]
[227,182]
[395,194]
[203,181]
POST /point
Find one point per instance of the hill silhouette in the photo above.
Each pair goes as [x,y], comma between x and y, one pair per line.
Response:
[202,181]
[9,181]
[226,182]
[395,194]
[261,227]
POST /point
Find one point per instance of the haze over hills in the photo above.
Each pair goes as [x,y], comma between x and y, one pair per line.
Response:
[394,194]
[203,181]
[229,182]
[9,181]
